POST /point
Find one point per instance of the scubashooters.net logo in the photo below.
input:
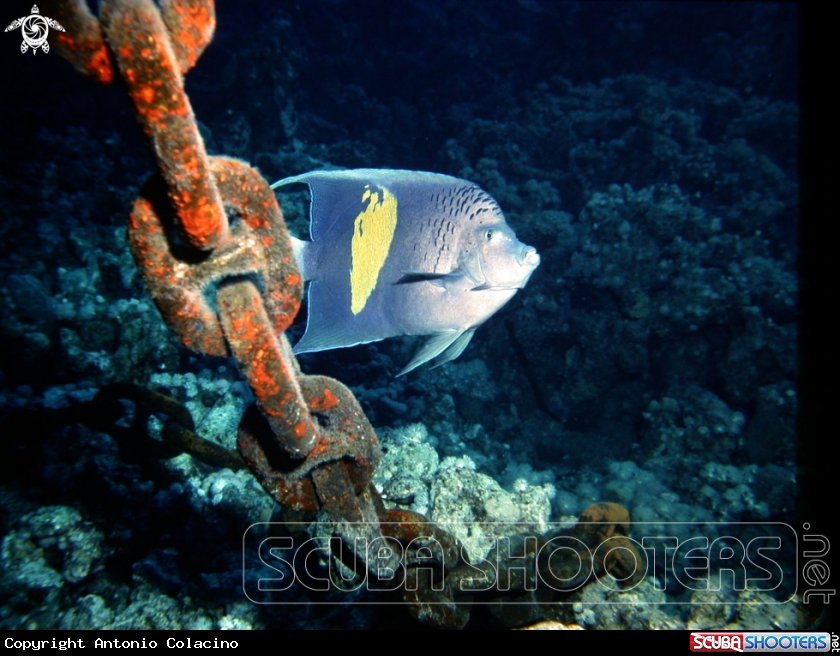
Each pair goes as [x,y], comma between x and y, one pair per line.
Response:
[753,641]
[35,29]
[280,559]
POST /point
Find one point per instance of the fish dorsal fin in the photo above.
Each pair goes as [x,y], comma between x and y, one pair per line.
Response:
[442,348]
[329,191]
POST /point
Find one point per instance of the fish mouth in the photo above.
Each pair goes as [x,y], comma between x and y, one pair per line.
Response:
[530,258]
[527,259]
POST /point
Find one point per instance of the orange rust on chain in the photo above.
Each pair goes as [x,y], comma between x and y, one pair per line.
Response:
[322,403]
[407,525]
[183,288]
[82,43]
[250,336]
[336,442]
[321,447]
[191,24]
[150,67]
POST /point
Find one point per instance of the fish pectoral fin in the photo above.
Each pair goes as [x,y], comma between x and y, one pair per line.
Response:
[441,348]
[426,276]
[488,287]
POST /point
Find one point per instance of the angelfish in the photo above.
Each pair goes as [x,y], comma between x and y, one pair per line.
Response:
[404,253]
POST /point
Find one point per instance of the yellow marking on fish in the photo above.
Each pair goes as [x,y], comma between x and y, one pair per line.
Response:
[373,231]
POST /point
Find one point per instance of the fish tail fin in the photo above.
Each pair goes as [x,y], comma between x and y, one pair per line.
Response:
[299,248]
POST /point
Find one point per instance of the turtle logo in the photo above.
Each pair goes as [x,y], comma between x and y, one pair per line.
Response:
[35,29]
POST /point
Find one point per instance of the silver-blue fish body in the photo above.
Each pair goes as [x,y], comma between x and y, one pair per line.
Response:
[405,253]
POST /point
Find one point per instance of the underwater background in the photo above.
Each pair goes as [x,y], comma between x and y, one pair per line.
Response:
[649,151]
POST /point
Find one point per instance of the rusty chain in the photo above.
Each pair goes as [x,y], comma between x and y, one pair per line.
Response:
[210,241]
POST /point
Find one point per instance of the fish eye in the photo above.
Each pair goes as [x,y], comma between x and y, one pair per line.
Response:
[489,235]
